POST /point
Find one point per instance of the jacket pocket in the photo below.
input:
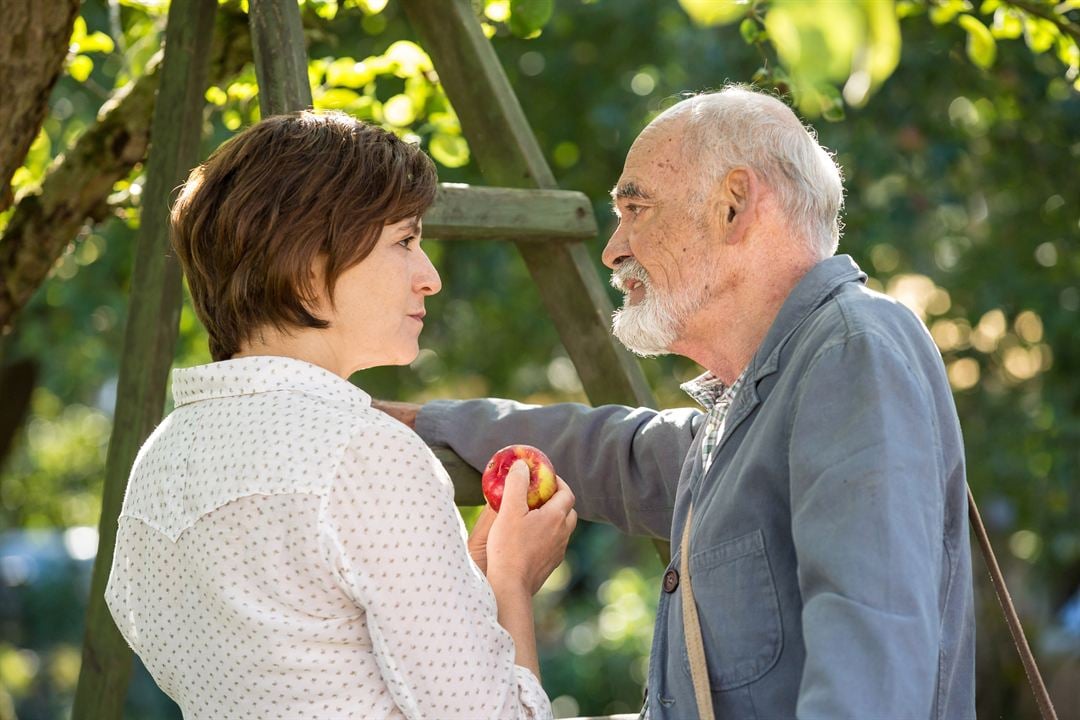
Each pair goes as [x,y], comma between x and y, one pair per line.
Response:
[738,610]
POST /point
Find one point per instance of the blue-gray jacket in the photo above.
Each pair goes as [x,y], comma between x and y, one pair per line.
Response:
[829,544]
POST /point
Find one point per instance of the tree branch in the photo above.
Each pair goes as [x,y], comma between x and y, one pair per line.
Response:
[32,51]
[78,183]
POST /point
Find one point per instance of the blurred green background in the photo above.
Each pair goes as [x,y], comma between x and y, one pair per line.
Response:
[956,124]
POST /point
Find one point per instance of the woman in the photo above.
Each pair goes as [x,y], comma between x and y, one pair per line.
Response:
[285,550]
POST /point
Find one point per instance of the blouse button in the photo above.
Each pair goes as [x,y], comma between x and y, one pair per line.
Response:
[671,581]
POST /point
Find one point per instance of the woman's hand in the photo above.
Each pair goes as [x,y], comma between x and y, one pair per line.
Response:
[479,536]
[524,546]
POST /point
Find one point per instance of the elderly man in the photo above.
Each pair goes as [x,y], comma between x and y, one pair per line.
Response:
[823,487]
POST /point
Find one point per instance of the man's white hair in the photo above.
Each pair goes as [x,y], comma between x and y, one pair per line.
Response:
[742,127]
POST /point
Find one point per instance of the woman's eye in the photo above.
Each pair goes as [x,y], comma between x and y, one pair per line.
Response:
[405,242]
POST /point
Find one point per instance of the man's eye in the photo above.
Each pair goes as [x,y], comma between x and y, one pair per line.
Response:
[634,209]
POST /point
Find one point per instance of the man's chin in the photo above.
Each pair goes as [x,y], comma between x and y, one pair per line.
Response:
[638,337]
[645,352]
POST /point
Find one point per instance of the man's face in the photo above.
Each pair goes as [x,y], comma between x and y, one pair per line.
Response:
[658,252]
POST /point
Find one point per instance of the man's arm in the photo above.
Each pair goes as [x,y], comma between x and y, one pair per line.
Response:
[867,506]
[622,463]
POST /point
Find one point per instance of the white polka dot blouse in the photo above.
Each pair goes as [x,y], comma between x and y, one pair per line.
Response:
[287,551]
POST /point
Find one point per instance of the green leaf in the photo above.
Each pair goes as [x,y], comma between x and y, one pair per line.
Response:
[445,122]
[822,41]
[346,72]
[832,108]
[834,112]
[326,9]
[883,42]
[363,108]
[946,11]
[242,91]
[1007,24]
[150,7]
[1040,34]
[410,59]
[715,12]
[528,17]
[419,89]
[232,119]
[750,31]
[371,7]
[981,46]
[95,42]
[336,99]
[215,96]
[449,150]
[909,8]
[1067,51]
[399,111]
[78,30]
[80,67]
[497,10]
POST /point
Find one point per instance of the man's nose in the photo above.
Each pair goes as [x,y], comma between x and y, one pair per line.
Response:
[616,250]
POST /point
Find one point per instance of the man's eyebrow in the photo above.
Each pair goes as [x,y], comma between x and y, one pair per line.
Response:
[629,191]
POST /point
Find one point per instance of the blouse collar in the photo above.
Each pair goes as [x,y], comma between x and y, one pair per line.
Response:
[261,374]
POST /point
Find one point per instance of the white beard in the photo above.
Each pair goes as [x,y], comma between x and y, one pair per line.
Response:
[652,326]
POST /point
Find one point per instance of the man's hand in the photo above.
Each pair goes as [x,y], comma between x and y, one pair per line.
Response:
[403,412]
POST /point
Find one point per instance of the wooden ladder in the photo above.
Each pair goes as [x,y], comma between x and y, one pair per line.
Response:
[549,227]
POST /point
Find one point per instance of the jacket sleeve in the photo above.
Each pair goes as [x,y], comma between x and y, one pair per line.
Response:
[867,505]
[622,463]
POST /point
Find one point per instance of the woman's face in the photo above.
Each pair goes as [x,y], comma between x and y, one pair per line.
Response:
[378,306]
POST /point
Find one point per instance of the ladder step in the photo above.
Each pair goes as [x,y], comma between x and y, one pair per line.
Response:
[470,212]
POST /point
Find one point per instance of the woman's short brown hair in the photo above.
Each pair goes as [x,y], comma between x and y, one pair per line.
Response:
[251,222]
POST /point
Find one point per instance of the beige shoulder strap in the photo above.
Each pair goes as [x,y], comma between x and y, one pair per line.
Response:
[695,648]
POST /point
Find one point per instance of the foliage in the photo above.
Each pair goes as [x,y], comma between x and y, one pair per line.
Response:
[961,202]
[823,45]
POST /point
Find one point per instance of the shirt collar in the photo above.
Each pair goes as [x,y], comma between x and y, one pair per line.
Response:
[706,389]
[710,391]
[260,374]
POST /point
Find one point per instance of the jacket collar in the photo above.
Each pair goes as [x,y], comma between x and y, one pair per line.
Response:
[810,292]
[262,374]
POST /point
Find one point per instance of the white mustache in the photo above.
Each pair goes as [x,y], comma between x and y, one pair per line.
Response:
[629,270]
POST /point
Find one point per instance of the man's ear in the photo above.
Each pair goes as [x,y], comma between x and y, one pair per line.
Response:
[738,194]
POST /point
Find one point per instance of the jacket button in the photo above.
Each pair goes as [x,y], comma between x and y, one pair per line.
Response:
[671,581]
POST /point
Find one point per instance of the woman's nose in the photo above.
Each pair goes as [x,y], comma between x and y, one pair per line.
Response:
[428,281]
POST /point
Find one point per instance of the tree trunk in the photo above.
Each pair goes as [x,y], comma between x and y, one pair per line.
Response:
[78,183]
[33,46]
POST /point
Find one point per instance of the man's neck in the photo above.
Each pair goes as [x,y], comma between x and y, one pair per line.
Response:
[724,338]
